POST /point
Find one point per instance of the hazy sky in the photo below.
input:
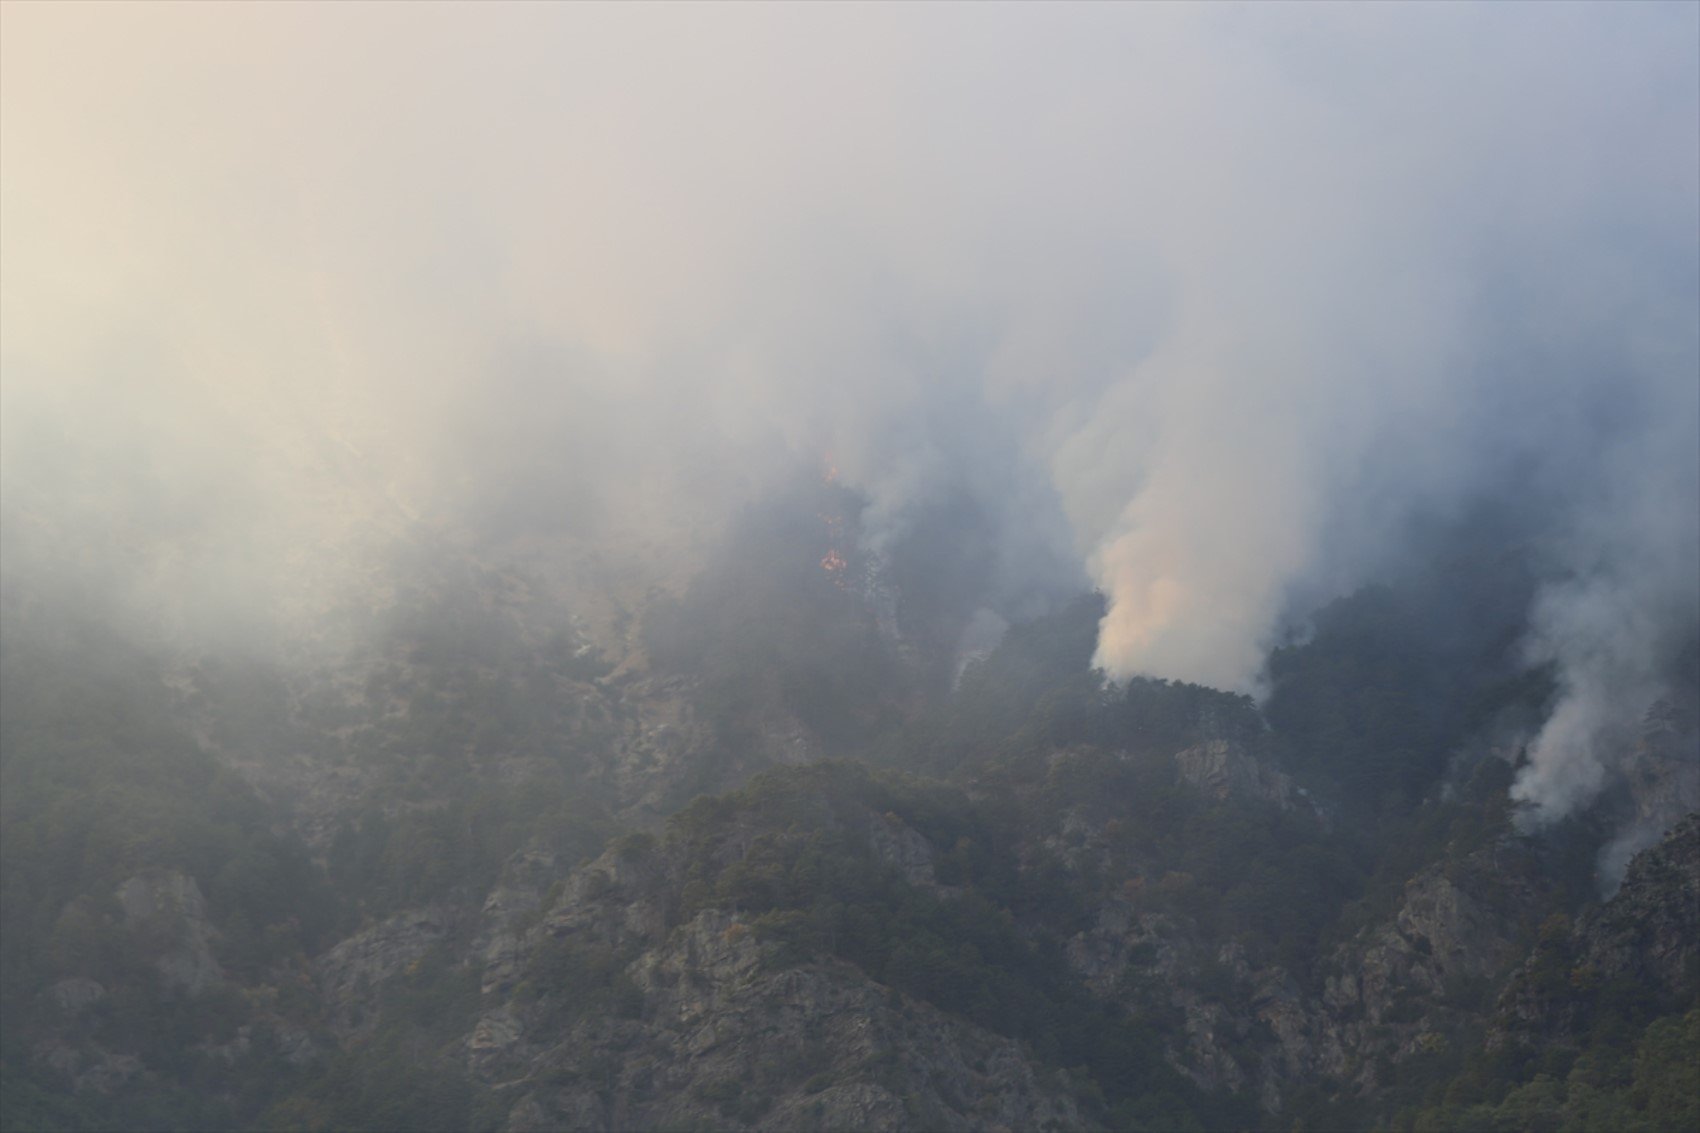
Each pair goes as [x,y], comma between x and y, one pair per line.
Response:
[1202,302]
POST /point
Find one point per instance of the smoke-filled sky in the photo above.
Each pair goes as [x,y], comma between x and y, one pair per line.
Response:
[1201,304]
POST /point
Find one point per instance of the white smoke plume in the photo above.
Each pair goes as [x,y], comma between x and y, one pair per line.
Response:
[1628,606]
[1198,303]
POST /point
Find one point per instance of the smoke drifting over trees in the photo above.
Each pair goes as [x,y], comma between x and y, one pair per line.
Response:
[1209,307]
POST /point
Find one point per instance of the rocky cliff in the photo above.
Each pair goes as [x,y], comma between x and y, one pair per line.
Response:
[1643,946]
[605,1010]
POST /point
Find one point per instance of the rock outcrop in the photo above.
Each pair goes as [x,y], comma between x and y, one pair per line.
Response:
[1222,770]
[351,975]
[1645,940]
[698,1024]
[1393,991]
[165,912]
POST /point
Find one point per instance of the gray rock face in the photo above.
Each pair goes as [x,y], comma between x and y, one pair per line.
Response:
[1223,770]
[165,910]
[231,1052]
[1664,768]
[901,846]
[516,899]
[720,1035]
[1398,988]
[1389,993]
[659,744]
[90,1068]
[1445,930]
[1239,1027]
[351,974]
[294,1043]
[1651,928]
[72,996]
[1648,934]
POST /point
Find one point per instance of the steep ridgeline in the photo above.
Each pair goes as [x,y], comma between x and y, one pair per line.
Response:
[730,975]
[1108,939]
[829,948]
[1598,1027]
[1293,1018]
[1639,953]
[494,874]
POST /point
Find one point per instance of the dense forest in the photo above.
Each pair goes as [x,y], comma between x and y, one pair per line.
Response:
[240,893]
[819,567]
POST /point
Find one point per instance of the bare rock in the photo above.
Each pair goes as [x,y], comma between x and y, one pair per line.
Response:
[1649,934]
[351,973]
[516,900]
[165,910]
[88,1067]
[74,995]
[898,844]
[723,1036]
[1223,770]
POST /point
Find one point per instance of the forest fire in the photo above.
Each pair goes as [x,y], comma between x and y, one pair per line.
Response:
[834,564]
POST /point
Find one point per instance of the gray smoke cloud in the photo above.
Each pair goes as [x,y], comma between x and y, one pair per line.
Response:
[1624,612]
[1196,304]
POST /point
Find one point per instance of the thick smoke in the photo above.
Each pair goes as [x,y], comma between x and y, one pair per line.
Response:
[1202,305]
[1617,625]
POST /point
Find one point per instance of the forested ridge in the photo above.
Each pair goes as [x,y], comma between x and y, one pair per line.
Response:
[449,887]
